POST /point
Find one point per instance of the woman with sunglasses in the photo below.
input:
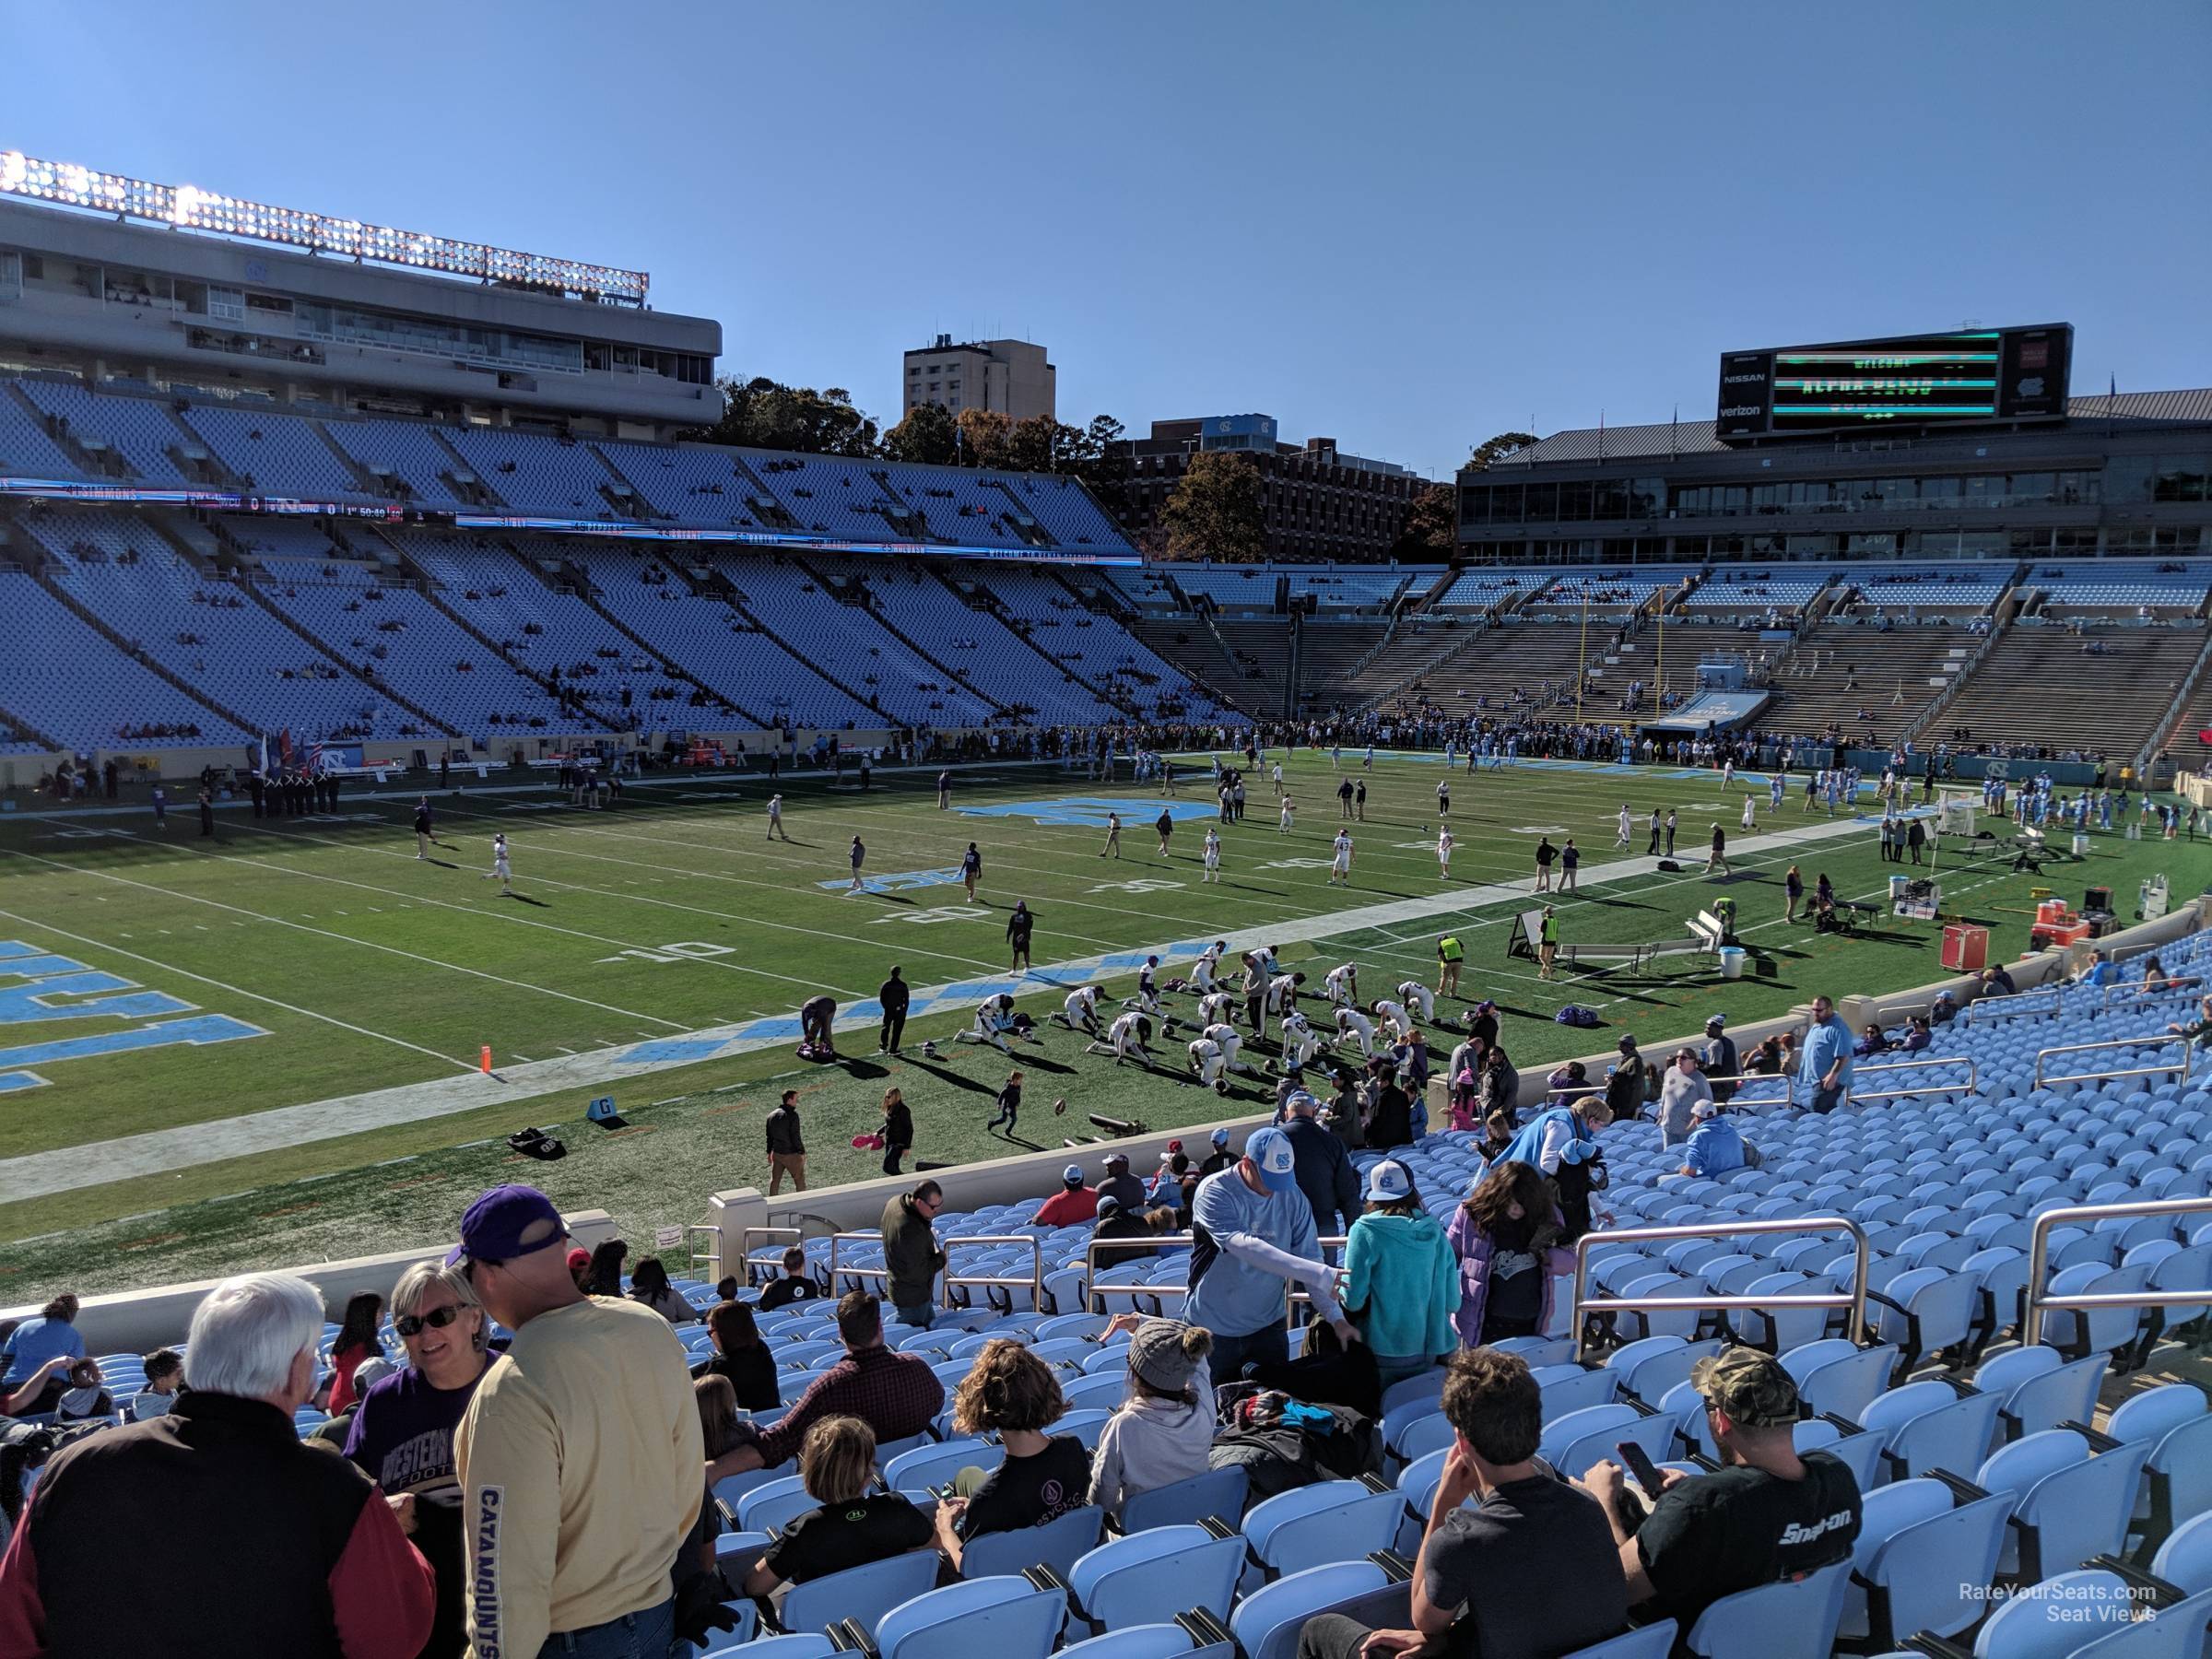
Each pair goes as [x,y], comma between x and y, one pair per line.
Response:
[403,1434]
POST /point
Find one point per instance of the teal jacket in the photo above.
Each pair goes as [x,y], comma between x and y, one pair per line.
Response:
[1402,1285]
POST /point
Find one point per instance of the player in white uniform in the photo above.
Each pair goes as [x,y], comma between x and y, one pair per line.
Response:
[1276,773]
[1282,818]
[1750,811]
[1217,1006]
[1125,1040]
[1282,996]
[1202,974]
[1414,994]
[1079,1011]
[1621,839]
[1301,1042]
[1443,799]
[991,1022]
[1728,773]
[1212,854]
[1340,859]
[1341,984]
[1355,1030]
[775,819]
[1146,999]
[1393,1017]
[499,870]
[1443,854]
[1231,1044]
[1205,1064]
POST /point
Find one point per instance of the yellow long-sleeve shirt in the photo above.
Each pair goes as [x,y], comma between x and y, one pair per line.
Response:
[583,1466]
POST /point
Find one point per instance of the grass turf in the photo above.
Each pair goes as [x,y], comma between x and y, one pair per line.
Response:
[371,969]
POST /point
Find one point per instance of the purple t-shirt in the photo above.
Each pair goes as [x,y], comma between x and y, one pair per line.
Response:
[403,1435]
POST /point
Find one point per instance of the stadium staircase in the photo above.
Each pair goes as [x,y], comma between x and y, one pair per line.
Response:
[1920,661]
[146,660]
[1968,666]
[382,687]
[2191,714]
[415,576]
[103,463]
[1187,644]
[1263,659]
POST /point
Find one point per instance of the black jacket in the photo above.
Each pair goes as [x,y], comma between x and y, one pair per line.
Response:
[898,1126]
[1324,1174]
[893,994]
[783,1135]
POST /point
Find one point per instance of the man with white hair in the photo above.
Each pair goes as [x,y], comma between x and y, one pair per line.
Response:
[312,1555]
[580,1457]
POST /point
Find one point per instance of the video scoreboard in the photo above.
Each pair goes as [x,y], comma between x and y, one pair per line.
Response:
[1999,375]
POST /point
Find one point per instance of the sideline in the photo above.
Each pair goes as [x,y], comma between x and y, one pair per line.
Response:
[42,1174]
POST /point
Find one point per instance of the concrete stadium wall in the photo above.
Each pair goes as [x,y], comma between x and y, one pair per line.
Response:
[137,1321]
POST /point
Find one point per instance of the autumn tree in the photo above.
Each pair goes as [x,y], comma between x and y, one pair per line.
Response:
[1431,524]
[983,437]
[1215,511]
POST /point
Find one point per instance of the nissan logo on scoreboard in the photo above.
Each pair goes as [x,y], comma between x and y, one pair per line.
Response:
[1747,394]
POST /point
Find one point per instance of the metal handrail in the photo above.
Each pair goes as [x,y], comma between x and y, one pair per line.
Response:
[1292,1297]
[1973,1076]
[691,1255]
[2039,1262]
[790,1235]
[2188,1048]
[2143,991]
[1854,1299]
[858,1273]
[1034,1283]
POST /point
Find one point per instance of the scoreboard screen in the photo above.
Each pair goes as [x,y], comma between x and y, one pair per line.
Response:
[1997,374]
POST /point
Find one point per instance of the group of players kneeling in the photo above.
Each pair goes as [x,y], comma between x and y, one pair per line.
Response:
[1266,992]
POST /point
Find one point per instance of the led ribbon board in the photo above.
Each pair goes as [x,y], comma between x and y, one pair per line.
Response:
[186,206]
[1913,380]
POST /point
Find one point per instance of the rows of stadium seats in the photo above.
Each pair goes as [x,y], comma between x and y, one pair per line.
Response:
[1233,588]
[2172,586]
[1617,591]
[274,452]
[1352,588]
[1783,589]
[849,644]
[1896,588]
[2114,701]
[1813,681]
[1092,641]
[720,650]
[425,656]
[1482,589]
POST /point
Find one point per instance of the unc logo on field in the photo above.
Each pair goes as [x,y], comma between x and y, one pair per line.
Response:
[903,882]
[31,979]
[1090,811]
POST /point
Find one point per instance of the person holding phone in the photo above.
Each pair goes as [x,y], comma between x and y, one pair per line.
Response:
[1502,1520]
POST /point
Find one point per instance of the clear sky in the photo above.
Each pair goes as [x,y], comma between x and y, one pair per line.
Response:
[1402,226]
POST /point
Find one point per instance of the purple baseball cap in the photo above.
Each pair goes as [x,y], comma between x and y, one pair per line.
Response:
[492,1229]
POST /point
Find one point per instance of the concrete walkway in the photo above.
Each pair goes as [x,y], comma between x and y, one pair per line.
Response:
[158,1151]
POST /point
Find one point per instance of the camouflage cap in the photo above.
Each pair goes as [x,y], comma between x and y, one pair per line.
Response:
[1747,1387]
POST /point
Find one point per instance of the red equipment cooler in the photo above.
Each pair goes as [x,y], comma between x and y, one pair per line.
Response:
[1965,948]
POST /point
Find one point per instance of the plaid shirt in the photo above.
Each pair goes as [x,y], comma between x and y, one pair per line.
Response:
[896,1394]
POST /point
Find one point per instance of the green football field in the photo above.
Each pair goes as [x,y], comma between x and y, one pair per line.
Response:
[262,1047]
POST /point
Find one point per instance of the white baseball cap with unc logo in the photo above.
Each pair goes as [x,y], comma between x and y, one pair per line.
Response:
[1389,1182]
[1276,1159]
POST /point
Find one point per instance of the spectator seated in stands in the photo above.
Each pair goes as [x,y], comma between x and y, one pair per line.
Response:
[1872,1040]
[1012,1393]
[316,1559]
[1918,1034]
[851,1527]
[1165,1425]
[896,1394]
[742,1357]
[1071,1206]
[1767,1514]
[51,1333]
[796,1284]
[1714,1145]
[164,1375]
[1115,1222]
[87,1398]
[649,1285]
[1501,1522]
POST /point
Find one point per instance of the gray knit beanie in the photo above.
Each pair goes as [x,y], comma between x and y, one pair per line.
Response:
[1166,1353]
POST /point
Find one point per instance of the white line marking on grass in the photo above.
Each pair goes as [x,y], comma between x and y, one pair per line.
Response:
[345,938]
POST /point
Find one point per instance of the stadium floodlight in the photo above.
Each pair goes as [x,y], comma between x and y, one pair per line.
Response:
[189,207]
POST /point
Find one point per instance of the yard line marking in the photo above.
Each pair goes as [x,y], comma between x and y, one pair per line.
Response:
[344,938]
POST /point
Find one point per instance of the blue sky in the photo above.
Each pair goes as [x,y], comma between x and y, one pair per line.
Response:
[1404,225]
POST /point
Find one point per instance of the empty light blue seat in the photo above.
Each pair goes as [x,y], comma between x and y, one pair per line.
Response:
[777,1504]
[2068,1503]
[1930,1425]
[1138,1641]
[1129,1579]
[862,1593]
[1310,1526]
[2186,1559]
[1057,1544]
[1921,1564]
[2056,1617]
[931,1465]
[1838,1376]
[1218,1492]
[1786,1620]
[1005,1617]
[1650,1642]
[812,1644]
